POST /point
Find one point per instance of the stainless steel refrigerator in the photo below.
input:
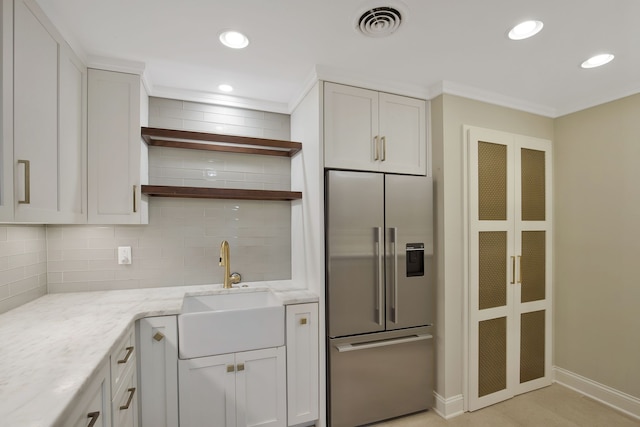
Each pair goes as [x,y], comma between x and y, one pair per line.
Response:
[380,296]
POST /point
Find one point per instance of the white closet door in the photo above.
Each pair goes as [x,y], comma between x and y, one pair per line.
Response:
[509,266]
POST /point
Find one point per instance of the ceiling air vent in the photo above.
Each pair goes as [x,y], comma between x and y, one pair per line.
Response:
[379,22]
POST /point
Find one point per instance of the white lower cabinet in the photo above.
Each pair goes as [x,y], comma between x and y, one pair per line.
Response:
[124,382]
[124,405]
[234,390]
[302,363]
[94,407]
[158,351]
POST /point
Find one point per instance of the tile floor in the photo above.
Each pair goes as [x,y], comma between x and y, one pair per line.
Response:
[553,406]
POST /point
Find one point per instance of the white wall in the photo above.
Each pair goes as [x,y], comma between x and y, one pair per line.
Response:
[597,244]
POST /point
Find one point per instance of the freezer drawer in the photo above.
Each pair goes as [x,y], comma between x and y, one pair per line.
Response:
[379,376]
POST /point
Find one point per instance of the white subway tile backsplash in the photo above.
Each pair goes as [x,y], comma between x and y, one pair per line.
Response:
[62,266]
[166,123]
[177,113]
[226,119]
[163,103]
[22,264]
[180,246]
[24,285]
[22,260]
[87,254]
[8,248]
[218,109]
[88,276]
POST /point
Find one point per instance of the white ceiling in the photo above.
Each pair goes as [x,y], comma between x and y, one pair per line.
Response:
[451,46]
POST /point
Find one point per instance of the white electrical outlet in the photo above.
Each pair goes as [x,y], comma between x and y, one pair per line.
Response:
[124,254]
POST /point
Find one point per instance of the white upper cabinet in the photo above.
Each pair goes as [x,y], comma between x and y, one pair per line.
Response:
[45,117]
[115,148]
[374,131]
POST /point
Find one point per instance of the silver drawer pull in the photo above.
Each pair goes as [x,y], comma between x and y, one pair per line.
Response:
[27,182]
[367,345]
[127,356]
[93,418]
[131,391]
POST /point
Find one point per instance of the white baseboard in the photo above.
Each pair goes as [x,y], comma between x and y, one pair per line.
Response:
[623,402]
[450,407]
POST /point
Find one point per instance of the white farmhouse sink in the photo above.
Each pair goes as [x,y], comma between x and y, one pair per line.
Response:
[228,323]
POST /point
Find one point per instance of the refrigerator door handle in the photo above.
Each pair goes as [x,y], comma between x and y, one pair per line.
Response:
[383,343]
[379,295]
[394,290]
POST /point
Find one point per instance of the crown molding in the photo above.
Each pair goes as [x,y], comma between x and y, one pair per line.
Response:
[470,92]
[348,78]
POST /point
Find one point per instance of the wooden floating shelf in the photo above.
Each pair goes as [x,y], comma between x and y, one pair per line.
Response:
[218,193]
[217,142]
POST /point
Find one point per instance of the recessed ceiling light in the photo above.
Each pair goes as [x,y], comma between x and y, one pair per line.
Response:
[234,39]
[225,88]
[598,60]
[525,29]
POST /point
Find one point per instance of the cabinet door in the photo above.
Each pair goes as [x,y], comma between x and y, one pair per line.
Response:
[125,403]
[95,403]
[351,138]
[114,148]
[302,363]
[207,391]
[6,112]
[72,147]
[402,134]
[49,146]
[35,117]
[158,352]
[261,388]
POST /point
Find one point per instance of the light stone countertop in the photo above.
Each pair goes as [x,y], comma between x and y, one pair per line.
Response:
[50,348]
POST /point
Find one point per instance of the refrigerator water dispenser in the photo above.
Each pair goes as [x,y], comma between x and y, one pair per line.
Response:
[415,259]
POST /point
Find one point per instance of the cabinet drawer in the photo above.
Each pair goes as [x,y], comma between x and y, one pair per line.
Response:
[92,408]
[123,357]
[124,406]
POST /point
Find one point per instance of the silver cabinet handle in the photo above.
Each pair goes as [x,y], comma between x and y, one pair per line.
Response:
[384,149]
[519,268]
[375,148]
[384,343]
[27,182]
[93,417]
[394,300]
[135,207]
[127,356]
[131,391]
[380,290]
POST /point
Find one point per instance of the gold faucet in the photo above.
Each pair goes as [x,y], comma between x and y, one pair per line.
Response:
[229,278]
